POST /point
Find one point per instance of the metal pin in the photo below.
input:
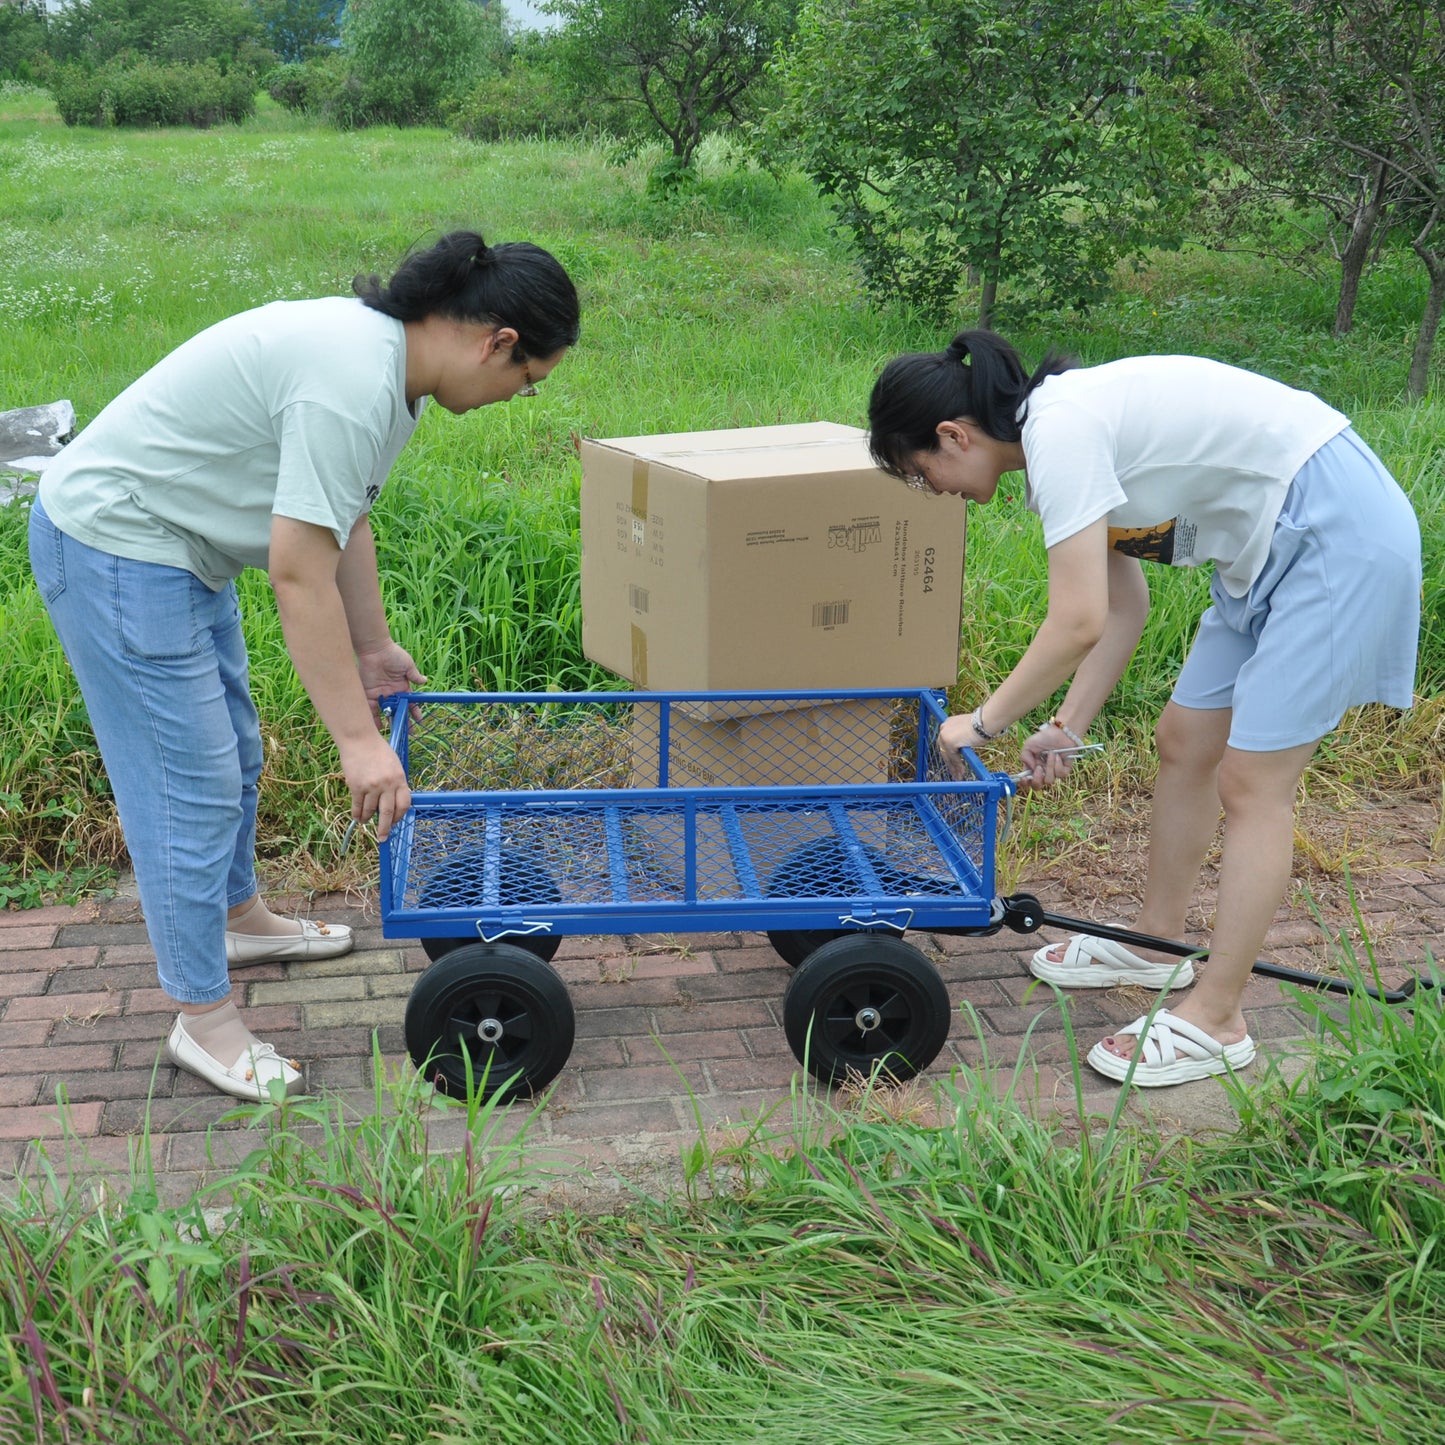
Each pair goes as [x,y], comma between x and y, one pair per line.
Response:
[1072,752]
[347,836]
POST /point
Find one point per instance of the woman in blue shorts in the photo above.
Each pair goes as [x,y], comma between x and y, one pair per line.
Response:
[263,442]
[1315,608]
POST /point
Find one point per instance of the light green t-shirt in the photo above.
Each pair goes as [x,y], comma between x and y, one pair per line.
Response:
[296,409]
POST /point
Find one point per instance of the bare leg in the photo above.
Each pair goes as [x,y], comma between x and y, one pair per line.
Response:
[1185,815]
[1258,793]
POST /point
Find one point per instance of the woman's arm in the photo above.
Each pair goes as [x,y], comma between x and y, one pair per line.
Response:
[384,667]
[1100,671]
[1098,674]
[1077,617]
[306,576]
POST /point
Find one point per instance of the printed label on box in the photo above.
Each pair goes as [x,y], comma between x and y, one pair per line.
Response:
[857,535]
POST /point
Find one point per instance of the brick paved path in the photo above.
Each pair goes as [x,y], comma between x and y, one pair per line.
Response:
[80,1011]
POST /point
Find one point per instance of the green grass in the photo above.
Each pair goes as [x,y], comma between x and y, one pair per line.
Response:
[731,305]
[1005,1277]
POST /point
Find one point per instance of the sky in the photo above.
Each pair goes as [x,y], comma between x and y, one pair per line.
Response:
[525,15]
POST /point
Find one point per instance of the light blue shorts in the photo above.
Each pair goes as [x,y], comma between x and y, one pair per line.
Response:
[1332,621]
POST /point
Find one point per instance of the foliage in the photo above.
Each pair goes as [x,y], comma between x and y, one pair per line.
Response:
[522,101]
[22,38]
[297,29]
[1014,1271]
[687,66]
[93,32]
[137,91]
[311,87]
[1352,99]
[409,59]
[1026,141]
[1281,102]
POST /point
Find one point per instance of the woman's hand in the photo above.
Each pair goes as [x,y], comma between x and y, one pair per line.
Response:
[386,669]
[377,782]
[1045,759]
[954,734]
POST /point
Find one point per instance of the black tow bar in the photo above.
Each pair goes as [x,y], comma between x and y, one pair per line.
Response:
[1023,913]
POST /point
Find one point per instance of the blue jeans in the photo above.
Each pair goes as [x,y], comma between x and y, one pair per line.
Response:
[161,664]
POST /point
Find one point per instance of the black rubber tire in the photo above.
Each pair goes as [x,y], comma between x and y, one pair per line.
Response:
[821,868]
[520,885]
[492,986]
[794,945]
[824,1008]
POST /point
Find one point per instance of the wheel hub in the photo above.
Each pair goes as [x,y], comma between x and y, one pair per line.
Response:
[490,1031]
[867,1019]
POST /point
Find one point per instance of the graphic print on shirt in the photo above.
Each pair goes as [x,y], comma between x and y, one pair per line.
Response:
[1170,543]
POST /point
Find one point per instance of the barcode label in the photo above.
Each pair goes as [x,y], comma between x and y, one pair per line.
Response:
[830,614]
[636,597]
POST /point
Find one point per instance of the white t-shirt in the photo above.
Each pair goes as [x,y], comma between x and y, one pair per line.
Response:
[1189,459]
[297,409]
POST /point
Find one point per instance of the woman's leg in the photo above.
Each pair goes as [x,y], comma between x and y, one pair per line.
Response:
[1258,793]
[1182,822]
[141,641]
[1185,813]
[253,933]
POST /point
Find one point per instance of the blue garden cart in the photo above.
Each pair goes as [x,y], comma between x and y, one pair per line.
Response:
[831,822]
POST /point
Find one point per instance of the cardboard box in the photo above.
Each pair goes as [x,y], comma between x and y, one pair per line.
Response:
[835,744]
[765,558]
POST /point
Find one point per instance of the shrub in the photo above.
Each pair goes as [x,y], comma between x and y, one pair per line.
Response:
[411,59]
[131,91]
[524,102]
[311,88]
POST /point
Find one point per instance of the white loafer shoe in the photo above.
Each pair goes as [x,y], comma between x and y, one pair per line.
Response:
[250,1077]
[316,940]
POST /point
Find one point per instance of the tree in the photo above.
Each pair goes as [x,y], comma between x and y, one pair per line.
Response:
[1362,85]
[1007,141]
[1401,47]
[22,37]
[95,31]
[298,29]
[1280,96]
[687,65]
[410,58]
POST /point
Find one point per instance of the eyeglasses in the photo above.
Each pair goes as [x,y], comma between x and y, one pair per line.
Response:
[531,387]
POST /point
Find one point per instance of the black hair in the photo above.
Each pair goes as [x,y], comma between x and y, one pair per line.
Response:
[977,376]
[512,284]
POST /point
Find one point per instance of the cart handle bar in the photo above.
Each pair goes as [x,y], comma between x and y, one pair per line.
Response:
[1023,914]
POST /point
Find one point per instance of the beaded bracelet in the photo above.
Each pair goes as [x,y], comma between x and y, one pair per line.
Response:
[1068,732]
[978,727]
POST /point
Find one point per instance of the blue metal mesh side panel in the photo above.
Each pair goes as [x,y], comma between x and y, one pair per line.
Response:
[535,855]
[460,746]
[964,814]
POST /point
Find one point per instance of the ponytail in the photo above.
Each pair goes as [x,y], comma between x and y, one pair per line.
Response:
[978,376]
[513,284]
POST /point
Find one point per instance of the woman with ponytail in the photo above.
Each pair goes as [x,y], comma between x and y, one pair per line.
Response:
[263,442]
[1315,608]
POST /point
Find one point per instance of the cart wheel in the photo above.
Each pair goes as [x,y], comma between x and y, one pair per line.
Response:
[498,1007]
[456,882]
[866,1001]
[793,945]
